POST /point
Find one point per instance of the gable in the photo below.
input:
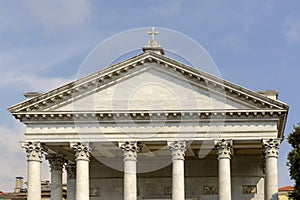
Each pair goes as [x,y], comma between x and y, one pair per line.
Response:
[151,88]
[98,84]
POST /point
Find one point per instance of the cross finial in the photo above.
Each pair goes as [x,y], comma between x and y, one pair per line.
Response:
[153,32]
[153,45]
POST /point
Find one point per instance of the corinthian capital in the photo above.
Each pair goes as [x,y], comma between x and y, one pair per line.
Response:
[56,161]
[223,148]
[82,151]
[71,171]
[130,150]
[178,149]
[271,147]
[34,150]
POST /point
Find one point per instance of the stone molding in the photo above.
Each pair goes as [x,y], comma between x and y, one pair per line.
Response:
[130,150]
[178,149]
[71,171]
[56,161]
[51,117]
[34,151]
[271,147]
[114,72]
[82,151]
[223,148]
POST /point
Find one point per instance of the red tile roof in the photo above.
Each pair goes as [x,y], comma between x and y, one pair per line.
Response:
[286,188]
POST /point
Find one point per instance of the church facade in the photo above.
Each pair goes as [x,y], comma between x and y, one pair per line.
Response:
[153,128]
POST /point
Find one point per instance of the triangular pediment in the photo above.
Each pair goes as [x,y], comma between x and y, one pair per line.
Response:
[151,88]
[148,82]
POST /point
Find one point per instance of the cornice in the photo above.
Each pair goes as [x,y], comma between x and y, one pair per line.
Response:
[105,77]
[147,116]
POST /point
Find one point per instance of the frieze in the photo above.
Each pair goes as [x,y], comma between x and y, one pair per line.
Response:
[249,189]
[95,192]
[71,117]
[210,190]
[168,191]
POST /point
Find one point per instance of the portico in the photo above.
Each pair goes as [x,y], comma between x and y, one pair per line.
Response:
[130,150]
[154,128]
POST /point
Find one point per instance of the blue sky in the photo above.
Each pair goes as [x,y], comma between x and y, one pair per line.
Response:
[255,44]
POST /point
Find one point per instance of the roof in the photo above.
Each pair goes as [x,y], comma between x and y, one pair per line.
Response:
[286,188]
[39,107]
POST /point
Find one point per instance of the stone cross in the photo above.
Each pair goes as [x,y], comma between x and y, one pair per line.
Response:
[153,32]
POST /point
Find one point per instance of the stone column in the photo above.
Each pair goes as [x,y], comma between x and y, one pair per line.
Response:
[178,149]
[271,148]
[71,182]
[224,155]
[34,153]
[56,164]
[130,150]
[82,155]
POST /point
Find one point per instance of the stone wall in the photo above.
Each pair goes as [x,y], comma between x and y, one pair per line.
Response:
[201,180]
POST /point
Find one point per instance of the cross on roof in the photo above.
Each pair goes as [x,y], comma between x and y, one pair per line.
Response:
[153,32]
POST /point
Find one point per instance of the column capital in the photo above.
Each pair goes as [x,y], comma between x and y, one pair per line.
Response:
[71,171]
[130,150]
[271,147]
[223,148]
[178,149]
[56,161]
[82,151]
[34,151]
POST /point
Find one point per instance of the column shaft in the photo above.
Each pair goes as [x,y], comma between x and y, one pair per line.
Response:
[82,180]
[56,185]
[56,164]
[130,185]
[82,170]
[178,180]
[34,180]
[71,189]
[271,177]
[271,172]
[224,179]
[224,156]
[71,182]
[178,149]
[130,150]
[34,153]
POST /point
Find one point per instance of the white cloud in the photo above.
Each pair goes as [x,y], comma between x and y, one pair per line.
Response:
[11,137]
[30,81]
[14,158]
[292,30]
